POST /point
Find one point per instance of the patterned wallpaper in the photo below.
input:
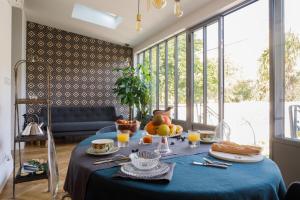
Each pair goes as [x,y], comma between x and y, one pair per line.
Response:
[81,68]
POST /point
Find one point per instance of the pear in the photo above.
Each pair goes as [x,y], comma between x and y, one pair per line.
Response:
[157,120]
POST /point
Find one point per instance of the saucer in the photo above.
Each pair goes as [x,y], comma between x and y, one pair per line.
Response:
[209,141]
[92,152]
[160,169]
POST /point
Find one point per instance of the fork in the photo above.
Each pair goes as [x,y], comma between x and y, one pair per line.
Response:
[216,162]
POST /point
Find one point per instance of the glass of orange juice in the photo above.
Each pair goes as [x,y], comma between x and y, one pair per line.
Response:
[194,138]
[123,138]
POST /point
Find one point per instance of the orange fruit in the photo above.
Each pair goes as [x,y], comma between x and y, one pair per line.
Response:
[151,128]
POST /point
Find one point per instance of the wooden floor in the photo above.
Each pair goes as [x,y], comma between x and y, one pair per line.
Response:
[37,190]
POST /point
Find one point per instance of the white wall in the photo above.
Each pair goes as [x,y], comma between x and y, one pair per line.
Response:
[187,21]
[5,92]
[18,52]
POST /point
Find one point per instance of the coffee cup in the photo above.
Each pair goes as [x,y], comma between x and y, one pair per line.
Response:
[206,135]
[102,145]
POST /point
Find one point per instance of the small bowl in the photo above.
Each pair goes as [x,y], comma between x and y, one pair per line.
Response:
[145,160]
[125,125]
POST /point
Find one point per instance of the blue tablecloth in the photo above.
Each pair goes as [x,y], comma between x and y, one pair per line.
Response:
[252,181]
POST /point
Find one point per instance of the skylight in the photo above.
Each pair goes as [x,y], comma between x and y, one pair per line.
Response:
[91,15]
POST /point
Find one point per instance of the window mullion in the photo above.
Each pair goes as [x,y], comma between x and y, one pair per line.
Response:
[204,75]
[157,77]
[166,74]
[221,69]
[176,76]
[150,70]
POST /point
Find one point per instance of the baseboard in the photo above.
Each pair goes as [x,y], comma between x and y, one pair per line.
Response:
[6,169]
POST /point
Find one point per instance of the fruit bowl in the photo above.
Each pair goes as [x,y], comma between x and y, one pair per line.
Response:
[144,160]
[175,130]
[126,125]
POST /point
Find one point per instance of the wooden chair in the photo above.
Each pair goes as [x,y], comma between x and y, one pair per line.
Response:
[107,129]
[52,165]
[293,191]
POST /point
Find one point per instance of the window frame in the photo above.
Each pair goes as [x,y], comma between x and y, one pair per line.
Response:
[189,123]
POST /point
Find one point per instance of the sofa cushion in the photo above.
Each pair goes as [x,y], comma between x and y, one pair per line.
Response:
[80,126]
[80,114]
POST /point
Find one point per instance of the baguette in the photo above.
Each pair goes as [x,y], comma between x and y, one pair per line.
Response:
[230,147]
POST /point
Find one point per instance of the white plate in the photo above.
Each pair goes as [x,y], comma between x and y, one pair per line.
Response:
[92,152]
[236,157]
[160,169]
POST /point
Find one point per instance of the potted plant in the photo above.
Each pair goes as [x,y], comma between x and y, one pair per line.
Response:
[133,89]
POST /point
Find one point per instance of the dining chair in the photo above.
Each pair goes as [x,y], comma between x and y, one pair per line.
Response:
[293,191]
[294,114]
[52,165]
[107,129]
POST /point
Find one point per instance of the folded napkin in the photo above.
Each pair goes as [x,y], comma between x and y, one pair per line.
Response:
[234,148]
[165,178]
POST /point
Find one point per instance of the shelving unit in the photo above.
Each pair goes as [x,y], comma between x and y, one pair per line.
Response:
[18,137]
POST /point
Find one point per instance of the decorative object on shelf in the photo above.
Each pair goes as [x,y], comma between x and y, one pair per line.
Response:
[158,4]
[138,23]
[33,127]
[34,166]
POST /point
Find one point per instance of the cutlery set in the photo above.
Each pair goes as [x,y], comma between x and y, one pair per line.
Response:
[210,163]
[125,159]
[113,159]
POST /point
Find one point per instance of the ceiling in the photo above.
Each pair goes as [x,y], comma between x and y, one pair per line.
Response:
[57,13]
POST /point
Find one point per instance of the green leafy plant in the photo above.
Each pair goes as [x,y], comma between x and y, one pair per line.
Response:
[133,89]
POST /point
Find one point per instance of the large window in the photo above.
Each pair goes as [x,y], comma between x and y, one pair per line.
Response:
[167,61]
[292,68]
[246,73]
[228,76]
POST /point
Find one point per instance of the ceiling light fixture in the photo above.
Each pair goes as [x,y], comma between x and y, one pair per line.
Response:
[138,23]
[159,3]
[177,9]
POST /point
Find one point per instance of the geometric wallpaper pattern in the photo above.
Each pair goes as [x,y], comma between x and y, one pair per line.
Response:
[81,68]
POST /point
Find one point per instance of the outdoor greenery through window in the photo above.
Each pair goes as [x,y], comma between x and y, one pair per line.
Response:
[292,69]
[245,65]
[246,74]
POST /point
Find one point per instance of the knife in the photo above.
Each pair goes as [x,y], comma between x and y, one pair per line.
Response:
[110,160]
[210,165]
[216,162]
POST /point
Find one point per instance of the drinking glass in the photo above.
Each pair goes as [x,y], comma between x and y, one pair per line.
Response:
[194,138]
[123,138]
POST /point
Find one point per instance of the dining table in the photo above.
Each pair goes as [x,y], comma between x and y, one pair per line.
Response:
[240,181]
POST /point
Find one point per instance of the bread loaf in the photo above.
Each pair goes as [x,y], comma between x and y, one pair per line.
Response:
[234,148]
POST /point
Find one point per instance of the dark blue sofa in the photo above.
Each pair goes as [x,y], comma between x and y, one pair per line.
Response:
[73,121]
